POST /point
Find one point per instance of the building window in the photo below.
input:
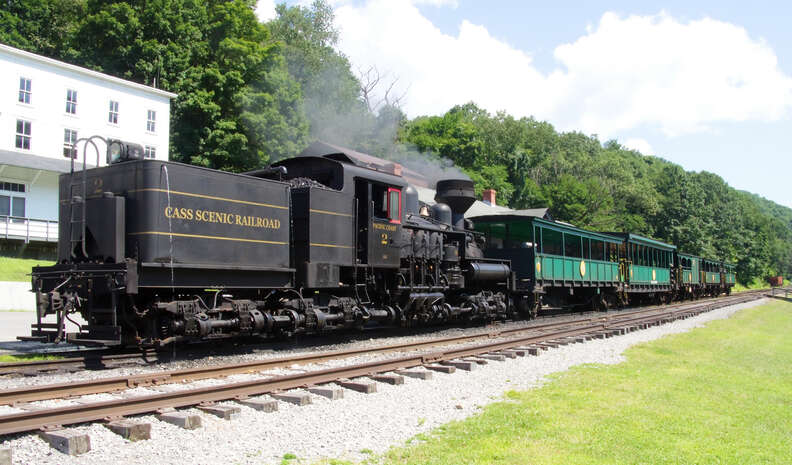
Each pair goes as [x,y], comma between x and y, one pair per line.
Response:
[150,152]
[71,101]
[12,187]
[12,200]
[23,134]
[113,115]
[24,90]
[69,141]
[151,121]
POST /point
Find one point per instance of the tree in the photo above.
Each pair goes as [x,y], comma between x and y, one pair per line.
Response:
[530,196]
[331,92]
[452,136]
[40,26]
[237,106]
[584,204]
[492,177]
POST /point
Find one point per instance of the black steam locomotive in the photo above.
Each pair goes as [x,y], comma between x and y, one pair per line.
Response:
[154,252]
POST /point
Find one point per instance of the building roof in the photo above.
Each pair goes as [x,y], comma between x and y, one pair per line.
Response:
[85,71]
[478,208]
[37,162]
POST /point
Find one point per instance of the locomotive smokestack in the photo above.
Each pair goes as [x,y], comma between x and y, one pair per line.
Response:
[458,194]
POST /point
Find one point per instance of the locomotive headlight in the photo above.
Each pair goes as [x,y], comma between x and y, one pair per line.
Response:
[119,151]
[114,150]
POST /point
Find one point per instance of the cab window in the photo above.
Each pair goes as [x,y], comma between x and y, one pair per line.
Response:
[394,205]
[379,198]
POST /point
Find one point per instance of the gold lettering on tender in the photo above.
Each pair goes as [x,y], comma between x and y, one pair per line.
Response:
[207,216]
[179,213]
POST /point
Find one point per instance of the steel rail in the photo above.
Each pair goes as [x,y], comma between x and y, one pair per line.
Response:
[694,309]
[89,361]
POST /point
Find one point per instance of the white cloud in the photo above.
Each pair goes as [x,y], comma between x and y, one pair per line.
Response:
[265,10]
[440,70]
[679,77]
[622,73]
[641,145]
[438,3]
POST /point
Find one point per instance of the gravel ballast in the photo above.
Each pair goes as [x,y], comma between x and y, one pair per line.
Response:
[346,427]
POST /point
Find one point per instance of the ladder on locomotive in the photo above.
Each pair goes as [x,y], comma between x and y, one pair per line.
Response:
[77,198]
[362,297]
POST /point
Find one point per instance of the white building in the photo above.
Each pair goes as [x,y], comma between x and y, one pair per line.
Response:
[45,106]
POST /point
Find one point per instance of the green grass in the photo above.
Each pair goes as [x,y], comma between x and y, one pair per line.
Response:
[755,284]
[18,269]
[27,358]
[716,395]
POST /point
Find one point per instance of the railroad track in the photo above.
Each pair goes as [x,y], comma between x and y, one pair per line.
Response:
[92,360]
[508,343]
[101,360]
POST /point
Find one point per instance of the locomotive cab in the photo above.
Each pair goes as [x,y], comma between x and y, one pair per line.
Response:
[379,222]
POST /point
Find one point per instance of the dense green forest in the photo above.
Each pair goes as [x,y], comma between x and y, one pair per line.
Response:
[251,93]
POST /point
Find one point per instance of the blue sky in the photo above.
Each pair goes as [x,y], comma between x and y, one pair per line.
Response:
[707,85]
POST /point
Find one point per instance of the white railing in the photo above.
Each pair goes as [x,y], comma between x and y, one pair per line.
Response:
[786,291]
[28,229]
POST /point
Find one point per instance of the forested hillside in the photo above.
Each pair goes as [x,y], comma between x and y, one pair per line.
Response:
[251,93]
[607,187]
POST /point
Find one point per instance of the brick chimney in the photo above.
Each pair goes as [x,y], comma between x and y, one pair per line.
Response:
[394,168]
[488,196]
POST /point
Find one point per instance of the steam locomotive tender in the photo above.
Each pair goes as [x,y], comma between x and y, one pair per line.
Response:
[153,252]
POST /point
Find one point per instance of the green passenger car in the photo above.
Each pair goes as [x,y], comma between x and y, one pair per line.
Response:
[711,272]
[718,277]
[647,263]
[688,269]
[548,253]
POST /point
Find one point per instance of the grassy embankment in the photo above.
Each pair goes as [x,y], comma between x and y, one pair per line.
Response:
[18,269]
[716,395]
